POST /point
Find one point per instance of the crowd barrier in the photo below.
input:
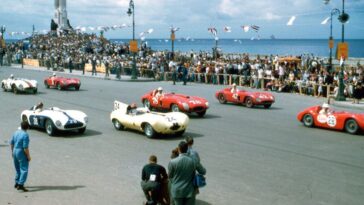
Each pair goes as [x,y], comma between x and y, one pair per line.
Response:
[31,62]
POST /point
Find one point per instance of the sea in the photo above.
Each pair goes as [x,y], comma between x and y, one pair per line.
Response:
[282,47]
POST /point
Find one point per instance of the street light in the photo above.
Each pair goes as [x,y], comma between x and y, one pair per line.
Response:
[343,18]
[133,44]
[331,39]
[173,37]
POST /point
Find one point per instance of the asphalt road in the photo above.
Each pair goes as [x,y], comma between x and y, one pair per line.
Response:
[252,156]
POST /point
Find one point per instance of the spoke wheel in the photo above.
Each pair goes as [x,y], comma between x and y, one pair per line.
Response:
[149,131]
[117,124]
[46,84]
[15,91]
[307,120]
[146,103]
[59,86]
[221,98]
[351,126]
[50,129]
[175,108]
[249,102]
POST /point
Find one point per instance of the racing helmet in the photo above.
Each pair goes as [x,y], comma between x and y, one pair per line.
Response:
[234,84]
[133,106]
[11,76]
[325,105]
[160,89]
[54,74]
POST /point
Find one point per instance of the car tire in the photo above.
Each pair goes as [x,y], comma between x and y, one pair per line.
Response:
[77,88]
[15,90]
[82,130]
[146,103]
[267,106]
[174,108]
[59,87]
[308,120]
[46,84]
[50,128]
[117,124]
[202,113]
[149,131]
[24,118]
[249,102]
[3,87]
[351,126]
[35,91]
[221,98]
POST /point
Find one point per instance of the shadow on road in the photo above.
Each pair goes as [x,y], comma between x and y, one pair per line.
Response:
[75,134]
[200,202]
[207,116]
[53,188]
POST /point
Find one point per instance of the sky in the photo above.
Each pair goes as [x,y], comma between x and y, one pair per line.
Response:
[193,17]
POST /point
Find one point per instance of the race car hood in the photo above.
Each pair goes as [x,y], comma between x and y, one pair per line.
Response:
[189,99]
[25,83]
[263,95]
[64,116]
[69,80]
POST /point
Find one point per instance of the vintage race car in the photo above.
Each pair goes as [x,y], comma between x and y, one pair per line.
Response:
[249,99]
[54,119]
[62,83]
[336,120]
[151,123]
[176,103]
[18,85]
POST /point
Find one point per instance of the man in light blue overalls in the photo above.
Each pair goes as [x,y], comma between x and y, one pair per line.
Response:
[20,152]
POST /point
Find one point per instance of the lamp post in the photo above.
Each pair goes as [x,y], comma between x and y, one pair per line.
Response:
[331,39]
[131,11]
[173,37]
[343,18]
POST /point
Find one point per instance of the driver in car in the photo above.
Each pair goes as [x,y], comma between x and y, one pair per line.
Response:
[325,109]
[38,107]
[234,90]
[157,95]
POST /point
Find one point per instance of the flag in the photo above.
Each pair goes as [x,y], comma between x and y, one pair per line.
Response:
[291,20]
[173,29]
[255,28]
[245,28]
[213,31]
[227,29]
[325,21]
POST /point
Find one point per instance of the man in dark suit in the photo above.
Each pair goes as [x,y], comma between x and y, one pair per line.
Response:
[181,171]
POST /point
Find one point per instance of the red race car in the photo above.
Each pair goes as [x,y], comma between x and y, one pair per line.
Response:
[249,99]
[62,83]
[337,120]
[175,102]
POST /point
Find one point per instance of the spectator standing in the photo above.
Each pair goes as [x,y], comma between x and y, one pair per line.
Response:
[70,64]
[190,151]
[94,63]
[153,175]
[182,171]
[20,151]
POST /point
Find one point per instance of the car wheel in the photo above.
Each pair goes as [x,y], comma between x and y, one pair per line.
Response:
[82,130]
[46,84]
[49,126]
[351,126]
[202,113]
[35,91]
[307,120]
[180,133]
[24,118]
[146,103]
[117,124]
[149,131]
[15,91]
[59,86]
[267,106]
[77,88]
[221,98]
[3,87]
[249,102]
[175,108]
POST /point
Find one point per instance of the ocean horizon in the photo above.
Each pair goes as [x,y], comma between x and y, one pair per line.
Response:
[282,47]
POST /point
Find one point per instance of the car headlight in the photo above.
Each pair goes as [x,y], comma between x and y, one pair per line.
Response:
[207,104]
[186,106]
[258,99]
[85,119]
[58,123]
[271,97]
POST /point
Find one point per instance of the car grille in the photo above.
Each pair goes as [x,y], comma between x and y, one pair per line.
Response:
[199,109]
[175,126]
[73,125]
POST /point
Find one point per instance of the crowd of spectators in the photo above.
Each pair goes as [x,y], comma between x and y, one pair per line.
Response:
[306,73]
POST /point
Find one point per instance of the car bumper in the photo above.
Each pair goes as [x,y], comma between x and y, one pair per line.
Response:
[264,102]
[172,129]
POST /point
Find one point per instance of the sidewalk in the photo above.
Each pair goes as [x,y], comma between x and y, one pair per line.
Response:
[348,104]
[87,74]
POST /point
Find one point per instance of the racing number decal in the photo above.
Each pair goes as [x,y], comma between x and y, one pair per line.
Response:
[331,121]
[322,118]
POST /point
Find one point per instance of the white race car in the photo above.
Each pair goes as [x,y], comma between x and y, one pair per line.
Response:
[17,85]
[54,118]
[151,123]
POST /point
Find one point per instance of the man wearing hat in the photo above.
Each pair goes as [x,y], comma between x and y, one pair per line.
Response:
[234,90]
[325,109]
